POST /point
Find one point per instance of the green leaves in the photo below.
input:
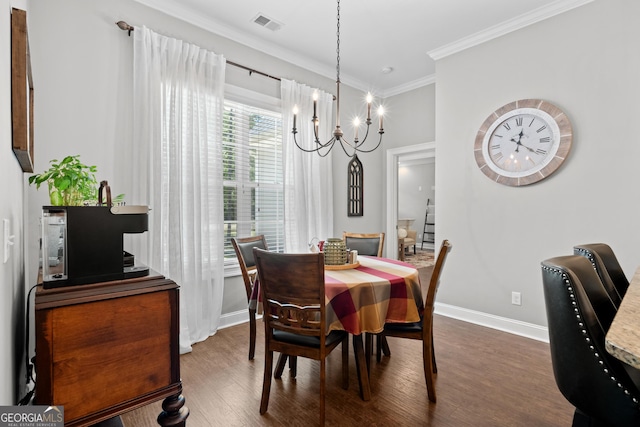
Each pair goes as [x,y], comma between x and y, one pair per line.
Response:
[71,182]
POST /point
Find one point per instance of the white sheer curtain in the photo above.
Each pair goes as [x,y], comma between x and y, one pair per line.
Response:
[308,183]
[175,167]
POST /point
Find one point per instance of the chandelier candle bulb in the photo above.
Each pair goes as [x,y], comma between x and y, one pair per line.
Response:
[369,99]
[380,114]
[356,124]
[315,103]
[295,115]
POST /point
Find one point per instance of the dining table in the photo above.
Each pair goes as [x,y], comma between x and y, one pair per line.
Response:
[623,338]
[362,297]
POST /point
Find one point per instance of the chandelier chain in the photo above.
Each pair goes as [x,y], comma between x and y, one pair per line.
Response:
[338,43]
[356,144]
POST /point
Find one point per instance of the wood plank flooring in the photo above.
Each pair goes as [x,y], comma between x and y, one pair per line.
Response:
[485,378]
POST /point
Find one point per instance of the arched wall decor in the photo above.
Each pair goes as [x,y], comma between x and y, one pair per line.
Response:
[355,190]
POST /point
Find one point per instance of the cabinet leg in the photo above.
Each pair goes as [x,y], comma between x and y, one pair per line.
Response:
[174,412]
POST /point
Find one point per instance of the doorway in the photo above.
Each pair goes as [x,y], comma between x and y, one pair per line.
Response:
[395,157]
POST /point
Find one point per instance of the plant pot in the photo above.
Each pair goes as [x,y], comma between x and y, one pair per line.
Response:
[69,197]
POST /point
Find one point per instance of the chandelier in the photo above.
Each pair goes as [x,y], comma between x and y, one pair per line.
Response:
[356,145]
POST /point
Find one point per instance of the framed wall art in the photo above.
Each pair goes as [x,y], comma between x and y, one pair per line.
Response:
[355,190]
[21,91]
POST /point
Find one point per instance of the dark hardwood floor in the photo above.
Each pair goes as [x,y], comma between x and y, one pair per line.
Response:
[485,378]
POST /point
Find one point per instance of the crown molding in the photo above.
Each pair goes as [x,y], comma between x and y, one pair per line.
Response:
[506,27]
[424,81]
[174,9]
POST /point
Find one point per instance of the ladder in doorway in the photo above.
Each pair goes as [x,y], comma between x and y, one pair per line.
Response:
[429,230]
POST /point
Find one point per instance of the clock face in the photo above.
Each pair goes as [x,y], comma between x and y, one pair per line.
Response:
[523,142]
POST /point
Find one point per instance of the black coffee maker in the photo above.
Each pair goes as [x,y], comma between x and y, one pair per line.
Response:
[83,244]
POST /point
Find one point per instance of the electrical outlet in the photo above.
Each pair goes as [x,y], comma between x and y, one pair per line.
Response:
[516,298]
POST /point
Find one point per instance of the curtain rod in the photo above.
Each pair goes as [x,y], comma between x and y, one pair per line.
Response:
[126,27]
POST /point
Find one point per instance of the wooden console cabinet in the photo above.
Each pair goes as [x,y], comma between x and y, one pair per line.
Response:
[103,349]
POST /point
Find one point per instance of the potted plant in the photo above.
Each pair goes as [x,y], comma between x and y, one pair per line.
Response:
[71,182]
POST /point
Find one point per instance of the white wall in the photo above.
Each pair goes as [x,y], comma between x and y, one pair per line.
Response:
[412,117]
[585,61]
[12,282]
[411,122]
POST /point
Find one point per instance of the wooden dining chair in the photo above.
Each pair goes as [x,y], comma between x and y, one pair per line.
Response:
[423,330]
[293,298]
[244,251]
[365,243]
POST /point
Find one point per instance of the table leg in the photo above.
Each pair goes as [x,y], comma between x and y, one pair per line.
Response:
[384,344]
[368,350]
[361,367]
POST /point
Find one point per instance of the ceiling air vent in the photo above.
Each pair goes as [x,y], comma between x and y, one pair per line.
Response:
[265,21]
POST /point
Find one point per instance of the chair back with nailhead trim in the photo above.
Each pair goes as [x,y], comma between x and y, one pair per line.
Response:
[579,313]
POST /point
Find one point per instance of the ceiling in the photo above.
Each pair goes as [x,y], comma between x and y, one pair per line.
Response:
[402,35]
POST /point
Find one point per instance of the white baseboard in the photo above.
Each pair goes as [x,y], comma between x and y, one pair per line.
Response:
[235,318]
[516,327]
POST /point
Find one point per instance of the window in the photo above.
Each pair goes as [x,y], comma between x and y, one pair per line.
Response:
[252,170]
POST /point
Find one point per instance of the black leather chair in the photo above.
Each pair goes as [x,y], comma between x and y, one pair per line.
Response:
[608,268]
[605,391]
[365,243]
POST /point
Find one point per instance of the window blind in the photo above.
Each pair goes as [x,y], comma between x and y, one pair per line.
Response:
[252,175]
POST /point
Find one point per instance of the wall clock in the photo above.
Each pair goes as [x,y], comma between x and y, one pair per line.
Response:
[523,142]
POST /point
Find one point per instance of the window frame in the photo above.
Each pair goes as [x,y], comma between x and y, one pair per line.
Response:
[258,100]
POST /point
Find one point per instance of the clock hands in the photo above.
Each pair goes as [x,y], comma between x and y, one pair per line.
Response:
[519,137]
[520,144]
